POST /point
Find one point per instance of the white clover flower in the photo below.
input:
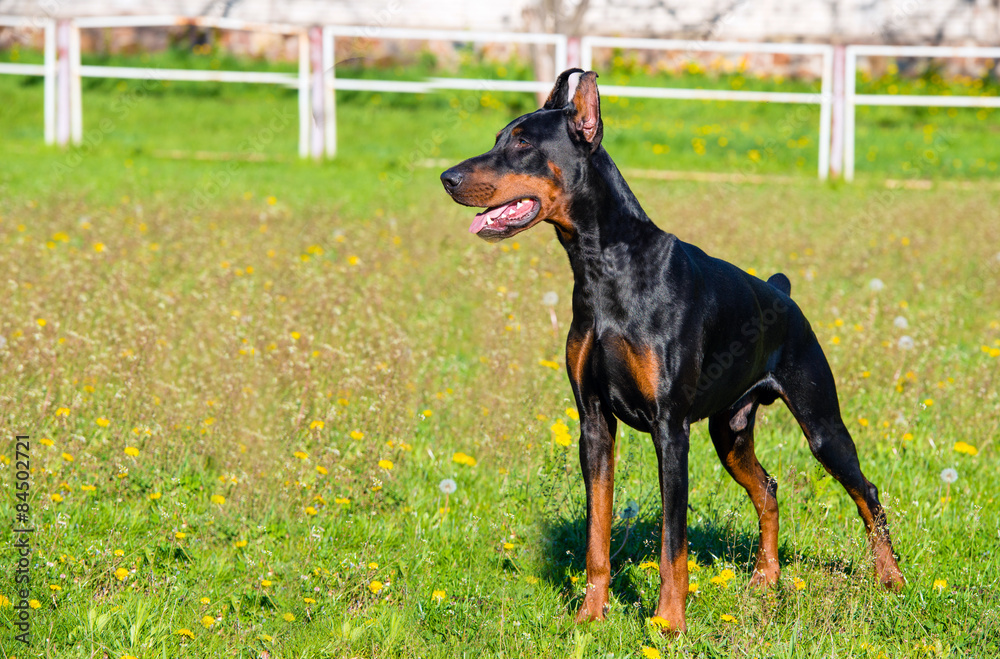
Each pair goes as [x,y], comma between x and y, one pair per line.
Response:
[906,342]
[949,475]
[448,486]
[900,322]
[550,299]
[876,285]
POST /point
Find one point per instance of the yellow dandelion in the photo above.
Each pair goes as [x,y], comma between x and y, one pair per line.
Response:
[968,449]
[57,497]
[928,402]
[940,584]
[308,600]
[907,436]
[863,422]
[265,583]
[549,364]
[35,604]
[301,455]
[572,413]
[272,200]
[799,584]
[102,422]
[62,411]
[727,618]
[131,451]
[438,595]
[207,621]
[155,496]
[121,574]
[693,566]
[45,441]
[322,470]
[205,600]
[180,535]
[67,457]
[649,565]
[184,632]
[218,499]
[289,617]
[342,501]
[428,413]
[508,546]
[311,511]
[464,459]
[316,425]
[693,587]
[375,586]
[357,434]
[650,653]
[240,544]
[42,322]
[352,260]
[385,464]
[659,622]
[55,587]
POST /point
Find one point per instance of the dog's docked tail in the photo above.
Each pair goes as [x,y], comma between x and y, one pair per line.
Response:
[781,282]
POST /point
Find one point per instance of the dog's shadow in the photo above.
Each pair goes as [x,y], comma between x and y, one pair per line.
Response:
[709,540]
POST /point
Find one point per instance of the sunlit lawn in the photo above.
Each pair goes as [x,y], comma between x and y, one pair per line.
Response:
[245,382]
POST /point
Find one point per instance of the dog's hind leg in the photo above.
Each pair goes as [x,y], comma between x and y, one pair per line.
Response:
[808,388]
[732,434]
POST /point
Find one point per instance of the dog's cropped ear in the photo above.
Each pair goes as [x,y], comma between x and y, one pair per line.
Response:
[585,120]
[562,91]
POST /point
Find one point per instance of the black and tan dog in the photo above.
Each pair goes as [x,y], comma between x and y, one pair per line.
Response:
[663,335]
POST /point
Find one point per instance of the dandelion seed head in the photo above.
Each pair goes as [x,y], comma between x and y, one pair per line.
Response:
[900,322]
[448,486]
[906,342]
[876,285]
[550,299]
[949,475]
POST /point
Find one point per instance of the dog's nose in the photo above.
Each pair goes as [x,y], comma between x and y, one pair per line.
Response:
[451,179]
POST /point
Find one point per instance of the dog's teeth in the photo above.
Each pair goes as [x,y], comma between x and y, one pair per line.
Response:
[520,203]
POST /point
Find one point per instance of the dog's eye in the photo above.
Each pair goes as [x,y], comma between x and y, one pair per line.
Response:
[522,143]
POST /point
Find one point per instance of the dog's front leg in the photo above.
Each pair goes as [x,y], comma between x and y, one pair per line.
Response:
[597,459]
[671,440]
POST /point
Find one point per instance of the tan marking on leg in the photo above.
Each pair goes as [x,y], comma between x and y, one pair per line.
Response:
[673,588]
[595,602]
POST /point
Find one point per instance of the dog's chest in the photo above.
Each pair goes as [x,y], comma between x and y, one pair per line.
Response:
[628,375]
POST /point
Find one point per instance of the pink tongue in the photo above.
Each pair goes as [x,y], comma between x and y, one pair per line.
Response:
[480,221]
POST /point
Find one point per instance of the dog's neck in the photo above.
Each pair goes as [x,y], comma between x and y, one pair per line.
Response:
[606,216]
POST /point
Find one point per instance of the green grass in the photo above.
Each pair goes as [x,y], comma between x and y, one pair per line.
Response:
[242,323]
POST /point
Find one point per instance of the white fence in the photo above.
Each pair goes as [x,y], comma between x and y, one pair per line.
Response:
[854,99]
[316,79]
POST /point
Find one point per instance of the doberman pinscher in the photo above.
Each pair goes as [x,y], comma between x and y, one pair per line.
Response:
[662,335]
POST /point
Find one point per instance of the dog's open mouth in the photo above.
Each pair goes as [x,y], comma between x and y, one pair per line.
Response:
[504,220]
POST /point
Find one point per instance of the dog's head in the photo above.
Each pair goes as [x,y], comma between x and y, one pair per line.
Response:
[528,175]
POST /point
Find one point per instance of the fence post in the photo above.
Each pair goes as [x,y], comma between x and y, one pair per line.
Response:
[63,120]
[75,88]
[50,82]
[305,106]
[330,106]
[837,132]
[318,123]
[825,101]
[850,79]
[573,53]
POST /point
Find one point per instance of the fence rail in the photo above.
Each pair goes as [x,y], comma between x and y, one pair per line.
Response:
[317,82]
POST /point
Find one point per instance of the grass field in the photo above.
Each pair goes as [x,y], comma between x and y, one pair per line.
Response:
[245,380]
